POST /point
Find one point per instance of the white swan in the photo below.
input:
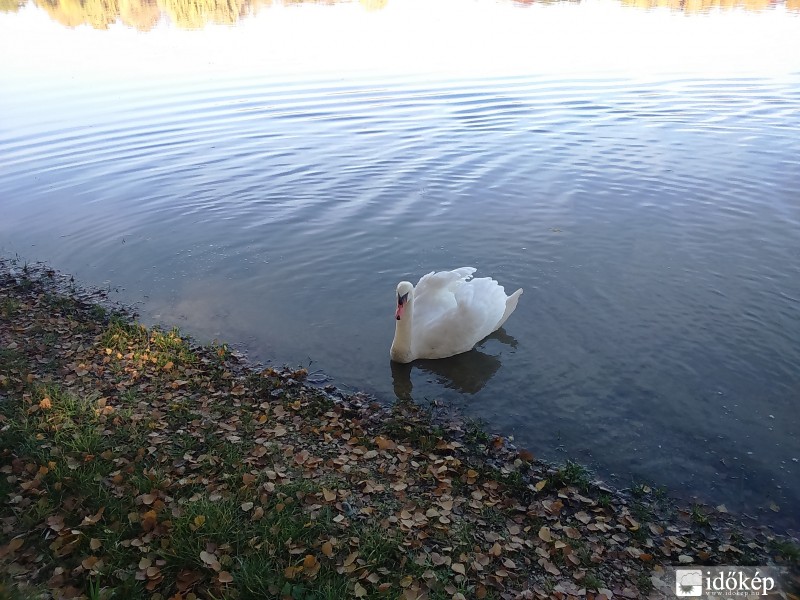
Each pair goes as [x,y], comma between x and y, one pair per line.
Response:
[447,313]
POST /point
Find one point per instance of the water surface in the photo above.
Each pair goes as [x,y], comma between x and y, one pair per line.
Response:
[268,182]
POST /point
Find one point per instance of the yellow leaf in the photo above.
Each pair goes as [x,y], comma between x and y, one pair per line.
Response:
[199,520]
[327,549]
[540,485]
[360,590]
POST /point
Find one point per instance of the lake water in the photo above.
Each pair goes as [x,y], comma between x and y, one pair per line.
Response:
[267,176]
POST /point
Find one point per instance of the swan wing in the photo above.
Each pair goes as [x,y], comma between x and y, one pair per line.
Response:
[466,311]
[434,294]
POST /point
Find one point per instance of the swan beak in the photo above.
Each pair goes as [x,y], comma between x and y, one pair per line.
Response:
[401,304]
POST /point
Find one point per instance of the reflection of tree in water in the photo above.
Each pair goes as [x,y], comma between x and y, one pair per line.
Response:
[10,5]
[193,14]
[701,6]
[197,13]
[688,6]
[97,13]
[144,14]
[139,14]
[373,4]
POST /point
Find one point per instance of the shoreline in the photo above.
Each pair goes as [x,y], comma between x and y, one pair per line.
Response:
[135,460]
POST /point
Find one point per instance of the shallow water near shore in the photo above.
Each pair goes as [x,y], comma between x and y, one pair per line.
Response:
[644,194]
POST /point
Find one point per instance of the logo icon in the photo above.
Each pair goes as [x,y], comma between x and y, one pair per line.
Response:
[689,582]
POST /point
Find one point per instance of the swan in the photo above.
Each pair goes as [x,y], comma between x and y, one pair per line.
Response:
[447,313]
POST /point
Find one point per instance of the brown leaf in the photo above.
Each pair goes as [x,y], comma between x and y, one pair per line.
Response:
[225,577]
[459,568]
[14,545]
[327,549]
[359,590]
[291,572]
[350,559]
[544,534]
[309,561]
[384,443]
[95,518]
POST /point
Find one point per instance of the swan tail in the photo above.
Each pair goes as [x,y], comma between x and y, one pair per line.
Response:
[511,304]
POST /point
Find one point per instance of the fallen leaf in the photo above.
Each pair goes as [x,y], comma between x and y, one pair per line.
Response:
[544,534]
[309,561]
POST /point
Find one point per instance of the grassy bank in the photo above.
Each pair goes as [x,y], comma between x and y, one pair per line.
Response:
[136,465]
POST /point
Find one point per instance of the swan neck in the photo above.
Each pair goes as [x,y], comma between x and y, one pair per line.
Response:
[401,347]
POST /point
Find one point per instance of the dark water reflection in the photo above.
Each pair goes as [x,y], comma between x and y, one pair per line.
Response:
[651,215]
[465,373]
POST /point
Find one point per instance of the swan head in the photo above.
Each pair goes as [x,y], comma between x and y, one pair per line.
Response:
[405,291]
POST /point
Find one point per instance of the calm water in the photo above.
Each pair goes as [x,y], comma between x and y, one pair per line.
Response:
[268,182]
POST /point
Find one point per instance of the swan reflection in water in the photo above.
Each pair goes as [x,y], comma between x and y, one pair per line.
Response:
[466,373]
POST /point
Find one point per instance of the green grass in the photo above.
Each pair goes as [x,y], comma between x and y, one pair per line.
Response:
[573,474]
[9,307]
[156,345]
[787,549]
[699,515]
[12,360]
[593,582]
